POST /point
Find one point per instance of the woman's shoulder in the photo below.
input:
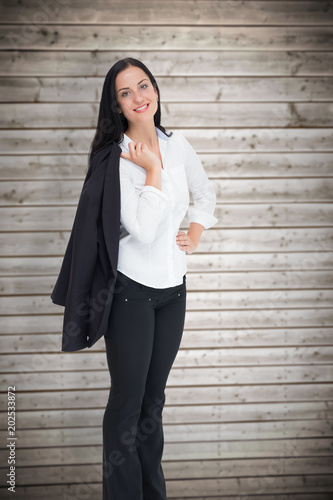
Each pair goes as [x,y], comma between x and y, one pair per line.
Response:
[178,138]
[181,142]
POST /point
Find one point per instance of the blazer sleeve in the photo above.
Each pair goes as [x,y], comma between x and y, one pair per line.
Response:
[76,275]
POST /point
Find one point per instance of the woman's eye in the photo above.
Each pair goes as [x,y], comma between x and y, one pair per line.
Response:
[124,94]
[144,86]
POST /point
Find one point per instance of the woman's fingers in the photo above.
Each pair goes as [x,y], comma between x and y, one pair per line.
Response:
[140,154]
[185,242]
[182,239]
[125,155]
[135,149]
[181,236]
[131,147]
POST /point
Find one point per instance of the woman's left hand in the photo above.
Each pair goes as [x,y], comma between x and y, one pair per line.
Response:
[185,242]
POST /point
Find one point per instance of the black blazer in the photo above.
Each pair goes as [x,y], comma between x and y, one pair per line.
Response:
[86,282]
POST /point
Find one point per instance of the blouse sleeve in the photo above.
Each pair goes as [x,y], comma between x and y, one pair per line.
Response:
[141,210]
[204,197]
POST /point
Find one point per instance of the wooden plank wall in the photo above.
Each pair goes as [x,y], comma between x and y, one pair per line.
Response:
[249,399]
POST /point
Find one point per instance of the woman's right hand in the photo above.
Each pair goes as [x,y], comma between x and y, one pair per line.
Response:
[142,155]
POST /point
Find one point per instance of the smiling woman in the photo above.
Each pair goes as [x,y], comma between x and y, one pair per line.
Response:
[138,103]
[145,324]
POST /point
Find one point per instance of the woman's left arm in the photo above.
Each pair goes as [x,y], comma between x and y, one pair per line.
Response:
[201,214]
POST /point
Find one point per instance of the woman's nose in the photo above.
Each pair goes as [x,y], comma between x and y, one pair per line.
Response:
[137,97]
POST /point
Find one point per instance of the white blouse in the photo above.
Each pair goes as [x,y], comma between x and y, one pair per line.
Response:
[150,218]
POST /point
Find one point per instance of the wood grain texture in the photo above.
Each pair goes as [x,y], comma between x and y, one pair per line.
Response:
[317,241]
[172,89]
[198,12]
[61,37]
[253,375]
[73,143]
[197,262]
[227,395]
[212,115]
[249,399]
[235,191]
[221,165]
[92,63]
[231,214]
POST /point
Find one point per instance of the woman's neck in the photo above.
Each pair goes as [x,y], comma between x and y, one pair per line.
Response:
[144,133]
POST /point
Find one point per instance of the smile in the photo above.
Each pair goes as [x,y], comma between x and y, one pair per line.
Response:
[142,108]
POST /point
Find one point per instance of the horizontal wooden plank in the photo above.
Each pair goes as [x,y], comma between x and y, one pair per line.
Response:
[269,281]
[233,433]
[196,262]
[262,165]
[179,114]
[67,192]
[222,165]
[259,318]
[264,215]
[318,241]
[187,414]
[25,266]
[200,285]
[63,37]
[239,319]
[232,215]
[62,400]
[178,469]
[277,285]
[249,375]
[74,142]
[239,486]
[185,487]
[174,469]
[173,89]
[195,301]
[172,63]
[231,486]
[188,469]
[186,358]
[199,12]
[248,338]
[54,492]
[191,339]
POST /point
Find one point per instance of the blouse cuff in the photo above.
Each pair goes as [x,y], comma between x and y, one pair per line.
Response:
[205,219]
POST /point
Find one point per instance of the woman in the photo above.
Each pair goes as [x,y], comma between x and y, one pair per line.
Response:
[148,311]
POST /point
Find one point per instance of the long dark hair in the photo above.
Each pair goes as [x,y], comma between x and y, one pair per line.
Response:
[110,124]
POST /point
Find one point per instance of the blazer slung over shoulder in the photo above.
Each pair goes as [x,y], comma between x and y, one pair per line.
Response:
[86,282]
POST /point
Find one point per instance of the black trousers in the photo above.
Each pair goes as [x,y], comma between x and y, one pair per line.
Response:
[145,330]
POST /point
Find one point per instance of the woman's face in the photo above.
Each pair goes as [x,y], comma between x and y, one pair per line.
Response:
[136,96]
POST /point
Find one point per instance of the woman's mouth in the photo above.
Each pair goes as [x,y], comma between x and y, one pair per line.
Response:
[141,109]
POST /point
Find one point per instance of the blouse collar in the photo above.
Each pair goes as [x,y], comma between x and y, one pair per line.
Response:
[161,135]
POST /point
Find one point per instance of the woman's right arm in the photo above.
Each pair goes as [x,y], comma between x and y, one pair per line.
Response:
[141,209]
